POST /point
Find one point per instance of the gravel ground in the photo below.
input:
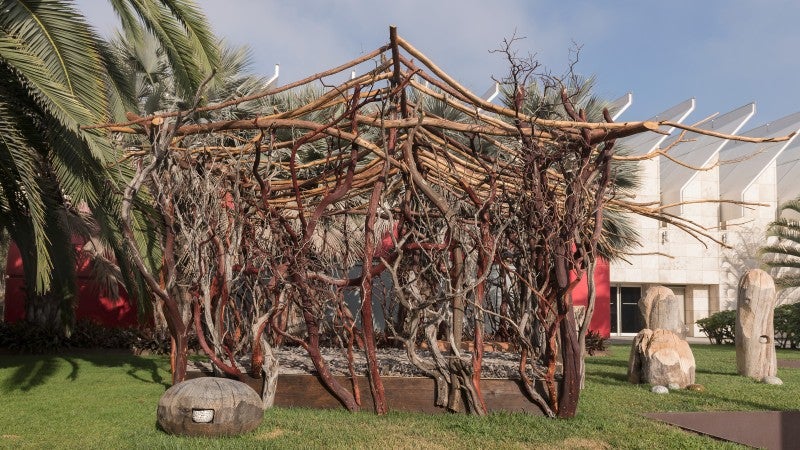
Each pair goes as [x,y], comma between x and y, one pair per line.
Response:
[392,362]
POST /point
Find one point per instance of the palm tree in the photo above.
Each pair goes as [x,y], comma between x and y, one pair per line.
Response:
[57,75]
[782,256]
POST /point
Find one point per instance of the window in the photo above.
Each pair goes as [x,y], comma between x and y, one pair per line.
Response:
[625,309]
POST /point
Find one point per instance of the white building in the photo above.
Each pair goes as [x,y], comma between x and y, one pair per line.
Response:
[694,181]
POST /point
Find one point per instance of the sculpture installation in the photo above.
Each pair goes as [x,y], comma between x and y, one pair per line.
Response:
[449,214]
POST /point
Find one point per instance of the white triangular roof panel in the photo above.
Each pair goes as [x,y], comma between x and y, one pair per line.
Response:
[789,173]
[618,106]
[643,143]
[697,150]
[742,163]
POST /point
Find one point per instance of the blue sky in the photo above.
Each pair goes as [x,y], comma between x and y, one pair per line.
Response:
[723,53]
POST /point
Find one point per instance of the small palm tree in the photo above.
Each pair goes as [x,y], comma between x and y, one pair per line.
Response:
[782,255]
[57,75]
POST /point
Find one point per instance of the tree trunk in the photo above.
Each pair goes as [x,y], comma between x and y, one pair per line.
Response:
[269,373]
[312,347]
[587,317]
[459,302]
[571,358]
[49,312]
[179,358]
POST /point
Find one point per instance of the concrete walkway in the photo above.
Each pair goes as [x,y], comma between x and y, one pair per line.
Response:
[626,340]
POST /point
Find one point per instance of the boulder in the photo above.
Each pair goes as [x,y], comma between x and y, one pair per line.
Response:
[660,309]
[661,357]
[755,334]
[210,406]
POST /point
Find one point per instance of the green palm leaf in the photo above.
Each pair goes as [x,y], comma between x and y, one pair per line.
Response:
[782,255]
[62,44]
[51,96]
[23,206]
[183,37]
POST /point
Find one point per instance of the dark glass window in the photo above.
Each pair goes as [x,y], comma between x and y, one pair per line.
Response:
[624,309]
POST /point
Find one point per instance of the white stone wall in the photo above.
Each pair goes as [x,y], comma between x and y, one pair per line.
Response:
[746,234]
[705,272]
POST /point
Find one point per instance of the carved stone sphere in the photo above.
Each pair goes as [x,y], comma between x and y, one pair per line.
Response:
[209,406]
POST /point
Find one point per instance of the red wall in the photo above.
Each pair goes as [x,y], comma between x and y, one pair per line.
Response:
[601,320]
[121,312]
[92,303]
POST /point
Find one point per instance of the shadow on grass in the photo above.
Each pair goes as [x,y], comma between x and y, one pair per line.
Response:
[31,371]
[602,376]
[138,366]
[607,362]
[731,373]
[741,404]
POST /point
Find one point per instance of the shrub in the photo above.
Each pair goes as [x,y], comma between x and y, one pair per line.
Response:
[594,342]
[23,337]
[787,325]
[719,327]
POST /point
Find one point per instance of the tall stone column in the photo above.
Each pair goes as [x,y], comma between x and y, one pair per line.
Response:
[755,333]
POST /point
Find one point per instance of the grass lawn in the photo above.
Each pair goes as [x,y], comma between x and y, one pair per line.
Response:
[96,400]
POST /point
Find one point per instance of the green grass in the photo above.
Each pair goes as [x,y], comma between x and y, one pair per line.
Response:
[96,400]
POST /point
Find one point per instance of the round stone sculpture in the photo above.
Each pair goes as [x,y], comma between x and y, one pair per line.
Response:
[661,357]
[209,406]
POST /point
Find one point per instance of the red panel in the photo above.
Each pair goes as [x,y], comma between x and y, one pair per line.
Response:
[97,307]
[15,299]
[92,303]
[601,320]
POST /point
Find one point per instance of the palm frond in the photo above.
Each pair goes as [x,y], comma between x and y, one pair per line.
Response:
[23,206]
[62,44]
[51,97]
[182,32]
[782,254]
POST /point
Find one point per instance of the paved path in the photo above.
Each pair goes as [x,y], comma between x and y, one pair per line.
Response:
[626,340]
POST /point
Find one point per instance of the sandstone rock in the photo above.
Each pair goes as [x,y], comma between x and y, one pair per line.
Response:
[755,334]
[659,308]
[696,387]
[659,389]
[772,380]
[660,357]
[673,386]
[209,406]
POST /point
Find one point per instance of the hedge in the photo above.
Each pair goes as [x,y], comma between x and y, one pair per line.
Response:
[721,327]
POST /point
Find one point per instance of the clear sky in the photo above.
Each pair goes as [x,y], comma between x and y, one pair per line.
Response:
[725,53]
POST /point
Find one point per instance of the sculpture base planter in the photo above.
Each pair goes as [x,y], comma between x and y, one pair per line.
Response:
[210,406]
[412,394]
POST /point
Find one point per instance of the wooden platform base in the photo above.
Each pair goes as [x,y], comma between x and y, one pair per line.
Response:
[413,394]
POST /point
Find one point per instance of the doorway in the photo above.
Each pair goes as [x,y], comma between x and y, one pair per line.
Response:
[625,309]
